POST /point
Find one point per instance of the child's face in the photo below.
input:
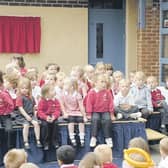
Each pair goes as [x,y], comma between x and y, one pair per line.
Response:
[100,70]
[24,89]
[124,88]
[117,77]
[52,69]
[50,80]
[139,82]
[33,82]
[101,83]
[7,85]
[152,83]
[60,82]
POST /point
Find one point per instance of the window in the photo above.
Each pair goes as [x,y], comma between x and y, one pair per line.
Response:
[99,40]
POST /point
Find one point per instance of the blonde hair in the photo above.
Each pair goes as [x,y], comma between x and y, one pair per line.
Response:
[140,75]
[60,75]
[12,78]
[28,165]
[14,158]
[100,65]
[104,153]
[117,73]
[153,78]
[90,160]
[124,81]
[164,145]
[139,142]
[88,68]
[45,90]
[72,82]
[31,75]
[25,81]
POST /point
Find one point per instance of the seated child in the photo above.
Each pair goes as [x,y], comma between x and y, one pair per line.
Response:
[104,153]
[90,160]
[124,102]
[158,101]
[66,156]
[48,112]
[14,158]
[142,95]
[164,153]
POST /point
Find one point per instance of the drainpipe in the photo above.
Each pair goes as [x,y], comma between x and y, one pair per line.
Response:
[141,14]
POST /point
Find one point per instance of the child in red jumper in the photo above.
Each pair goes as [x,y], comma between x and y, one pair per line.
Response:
[104,153]
[158,101]
[48,112]
[101,108]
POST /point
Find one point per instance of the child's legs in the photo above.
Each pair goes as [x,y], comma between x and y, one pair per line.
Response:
[25,132]
[36,129]
[164,115]
[45,132]
[55,132]
[7,122]
[106,124]
[95,124]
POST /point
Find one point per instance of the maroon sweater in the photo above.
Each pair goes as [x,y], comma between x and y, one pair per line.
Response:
[48,108]
[6,103]
[100,101]
[156,97]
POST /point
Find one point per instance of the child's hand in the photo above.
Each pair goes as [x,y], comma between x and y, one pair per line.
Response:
[113,118]
[28,118]
[65,115]
[49,119]
[85,119]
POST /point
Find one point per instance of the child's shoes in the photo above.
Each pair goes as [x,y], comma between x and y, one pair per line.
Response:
[109,142]
[93,142]
[26,145]
[38,144]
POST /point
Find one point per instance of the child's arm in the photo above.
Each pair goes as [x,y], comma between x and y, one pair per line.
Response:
[64,113]
[23,112]
[82,110]
[56,112]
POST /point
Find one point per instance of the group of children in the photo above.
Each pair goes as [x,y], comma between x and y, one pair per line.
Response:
[137,155]
[90,93]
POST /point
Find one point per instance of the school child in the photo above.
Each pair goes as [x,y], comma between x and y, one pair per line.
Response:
[164,153]
[72,104]
[104,153]
[6,108]
[164,89]
[14,158]
[125,107]
[60,76]
[117,76]
[132,77]
[140,143]
[89,75]
[77,73]
[109,69]
[48,112]
[90,160]
[51,69]
[101,108]
[36,90]
[66,156]
[158,102]
[142,95]
[100,68]
[25,104]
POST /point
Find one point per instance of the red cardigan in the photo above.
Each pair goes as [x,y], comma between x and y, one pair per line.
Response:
[48,108]
[109,165]
[156,96]
[100,101]
[6,103]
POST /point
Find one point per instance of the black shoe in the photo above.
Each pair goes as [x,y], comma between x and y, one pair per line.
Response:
[46,147]
[26,146]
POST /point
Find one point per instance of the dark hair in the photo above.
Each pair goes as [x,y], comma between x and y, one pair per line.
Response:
[66,154]
[21,62]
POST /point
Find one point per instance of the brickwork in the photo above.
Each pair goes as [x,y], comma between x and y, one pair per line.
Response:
[46,3]
[148,41]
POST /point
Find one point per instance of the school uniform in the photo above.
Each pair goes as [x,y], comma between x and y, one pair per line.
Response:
[49,131]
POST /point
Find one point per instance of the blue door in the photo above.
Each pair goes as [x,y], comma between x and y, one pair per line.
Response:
[107,37]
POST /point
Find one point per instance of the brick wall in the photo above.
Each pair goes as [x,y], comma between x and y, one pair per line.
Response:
[46,3]
[148,41]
